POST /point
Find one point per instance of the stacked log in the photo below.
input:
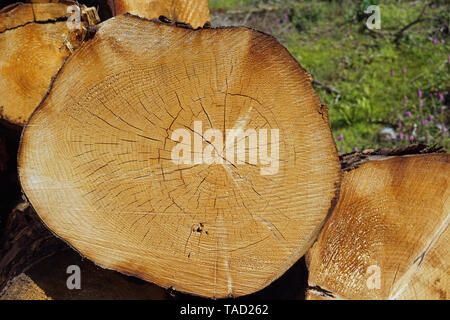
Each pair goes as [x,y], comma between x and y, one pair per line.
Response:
[388,235]
[202,226]
[192,12]
[197,159]
[35,39]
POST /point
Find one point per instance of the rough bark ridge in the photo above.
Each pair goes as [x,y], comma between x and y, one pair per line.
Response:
[352,160]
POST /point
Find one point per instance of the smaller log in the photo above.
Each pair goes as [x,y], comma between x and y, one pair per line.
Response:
[193,12]
[10,192]
[388,236]
[35,39]
[103,7]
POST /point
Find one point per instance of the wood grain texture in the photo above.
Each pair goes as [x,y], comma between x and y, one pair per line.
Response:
[393,215]
[15,15]
[34,41]
[194,12]
[20,14]
[213,230]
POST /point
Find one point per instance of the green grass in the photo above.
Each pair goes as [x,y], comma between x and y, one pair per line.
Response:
[228,4]
[330,40]
[359,66]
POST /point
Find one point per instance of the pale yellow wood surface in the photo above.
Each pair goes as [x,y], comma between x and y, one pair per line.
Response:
[393,215]
[194,12]
[95,159]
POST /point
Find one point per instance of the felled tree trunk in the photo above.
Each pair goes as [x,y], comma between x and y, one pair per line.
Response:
[34,41]
[388,235]
[193,12]
[132,178]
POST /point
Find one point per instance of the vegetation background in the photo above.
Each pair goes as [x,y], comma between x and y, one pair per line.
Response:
[385,87]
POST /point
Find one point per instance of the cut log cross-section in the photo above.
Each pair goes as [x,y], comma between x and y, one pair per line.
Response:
[388,235]
[34,41]
[194,12]
[109,184]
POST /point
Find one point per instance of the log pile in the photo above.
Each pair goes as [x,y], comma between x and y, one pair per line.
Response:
[200,160]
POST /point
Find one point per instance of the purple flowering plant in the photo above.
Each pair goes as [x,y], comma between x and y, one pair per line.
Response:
[422,120]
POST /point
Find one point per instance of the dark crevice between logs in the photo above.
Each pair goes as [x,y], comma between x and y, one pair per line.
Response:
[103,8]
[9,184]
[24,241]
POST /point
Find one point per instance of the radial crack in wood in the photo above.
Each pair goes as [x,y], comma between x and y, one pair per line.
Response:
[109,181]
[34,41]
[388,235]
[193,12]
